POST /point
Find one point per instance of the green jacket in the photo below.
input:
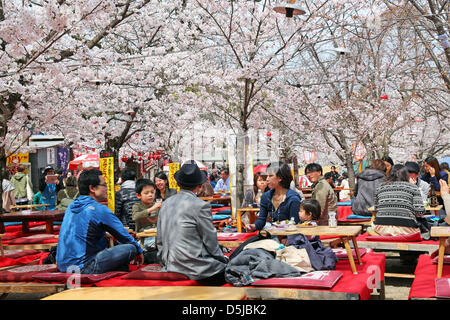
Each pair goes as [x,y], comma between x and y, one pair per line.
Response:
[141,216]
[20,184]
[322,192]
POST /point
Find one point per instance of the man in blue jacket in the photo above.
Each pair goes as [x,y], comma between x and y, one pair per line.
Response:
[82,240]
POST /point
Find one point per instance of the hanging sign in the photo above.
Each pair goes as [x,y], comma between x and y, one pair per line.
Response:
[51,156]
[18,158]
[107,169]
[309,156]
[173,167]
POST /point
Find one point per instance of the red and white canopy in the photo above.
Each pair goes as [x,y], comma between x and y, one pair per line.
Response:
[85,161]
[201,165]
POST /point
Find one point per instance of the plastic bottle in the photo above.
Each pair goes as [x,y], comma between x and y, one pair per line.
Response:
[332,222]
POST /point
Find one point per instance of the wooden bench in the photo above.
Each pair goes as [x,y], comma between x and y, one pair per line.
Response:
[29,206]
[442,233]
[29,287]
[254,293]
[151,293]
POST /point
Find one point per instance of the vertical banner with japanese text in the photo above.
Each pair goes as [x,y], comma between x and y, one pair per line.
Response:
[62,159]
[173,167]
[107,169]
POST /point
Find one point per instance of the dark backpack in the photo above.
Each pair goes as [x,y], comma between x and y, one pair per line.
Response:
[66,201]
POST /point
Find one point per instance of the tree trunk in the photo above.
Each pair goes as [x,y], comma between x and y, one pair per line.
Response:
[350,170]
[3,169]
[295,164]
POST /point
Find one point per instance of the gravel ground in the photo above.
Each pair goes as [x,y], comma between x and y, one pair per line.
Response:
[398,288]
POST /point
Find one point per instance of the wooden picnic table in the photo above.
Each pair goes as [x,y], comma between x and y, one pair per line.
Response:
[343,232]
[29,206]
[442,233]
[152,293]
[427,208]
[27,216]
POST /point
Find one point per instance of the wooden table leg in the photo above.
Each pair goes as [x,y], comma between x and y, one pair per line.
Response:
[2,252]
[49,227]
[238,220]
[25,227]
[441,256]
[355,245]
[252,217]
[350,254]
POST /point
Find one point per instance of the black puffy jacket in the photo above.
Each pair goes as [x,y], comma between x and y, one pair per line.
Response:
[367,183]
[124,201]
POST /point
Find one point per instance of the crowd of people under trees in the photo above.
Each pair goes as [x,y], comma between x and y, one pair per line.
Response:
[187,239]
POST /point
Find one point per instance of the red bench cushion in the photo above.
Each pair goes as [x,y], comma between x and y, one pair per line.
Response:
[413,237]
[446,259]
[25,273]
[231,236]
[315,279]
[36,238]
[442,287]
[343,255]
[60,277]
[14,254]
[153,272]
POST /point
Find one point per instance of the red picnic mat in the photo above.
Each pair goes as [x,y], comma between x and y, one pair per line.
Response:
[235,236]
[34,230]
[7,261]
[372,268]
[423,285]
[369,272]
[363,237]
[345,211]
[220,209]
[19,227]
[37,238]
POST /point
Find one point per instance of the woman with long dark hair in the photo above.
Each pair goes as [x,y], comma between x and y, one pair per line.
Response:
[254,194]
[433,173]
[280,202]
[398,204]
[162,187]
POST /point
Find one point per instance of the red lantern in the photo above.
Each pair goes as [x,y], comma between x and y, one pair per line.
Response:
[269,133]
[384,96]
[124,159]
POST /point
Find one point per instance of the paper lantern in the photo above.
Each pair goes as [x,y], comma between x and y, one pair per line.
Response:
[289,9]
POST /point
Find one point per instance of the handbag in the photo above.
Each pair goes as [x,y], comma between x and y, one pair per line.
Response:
[30,193]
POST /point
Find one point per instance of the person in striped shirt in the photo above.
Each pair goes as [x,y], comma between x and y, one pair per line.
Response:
[398,205]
